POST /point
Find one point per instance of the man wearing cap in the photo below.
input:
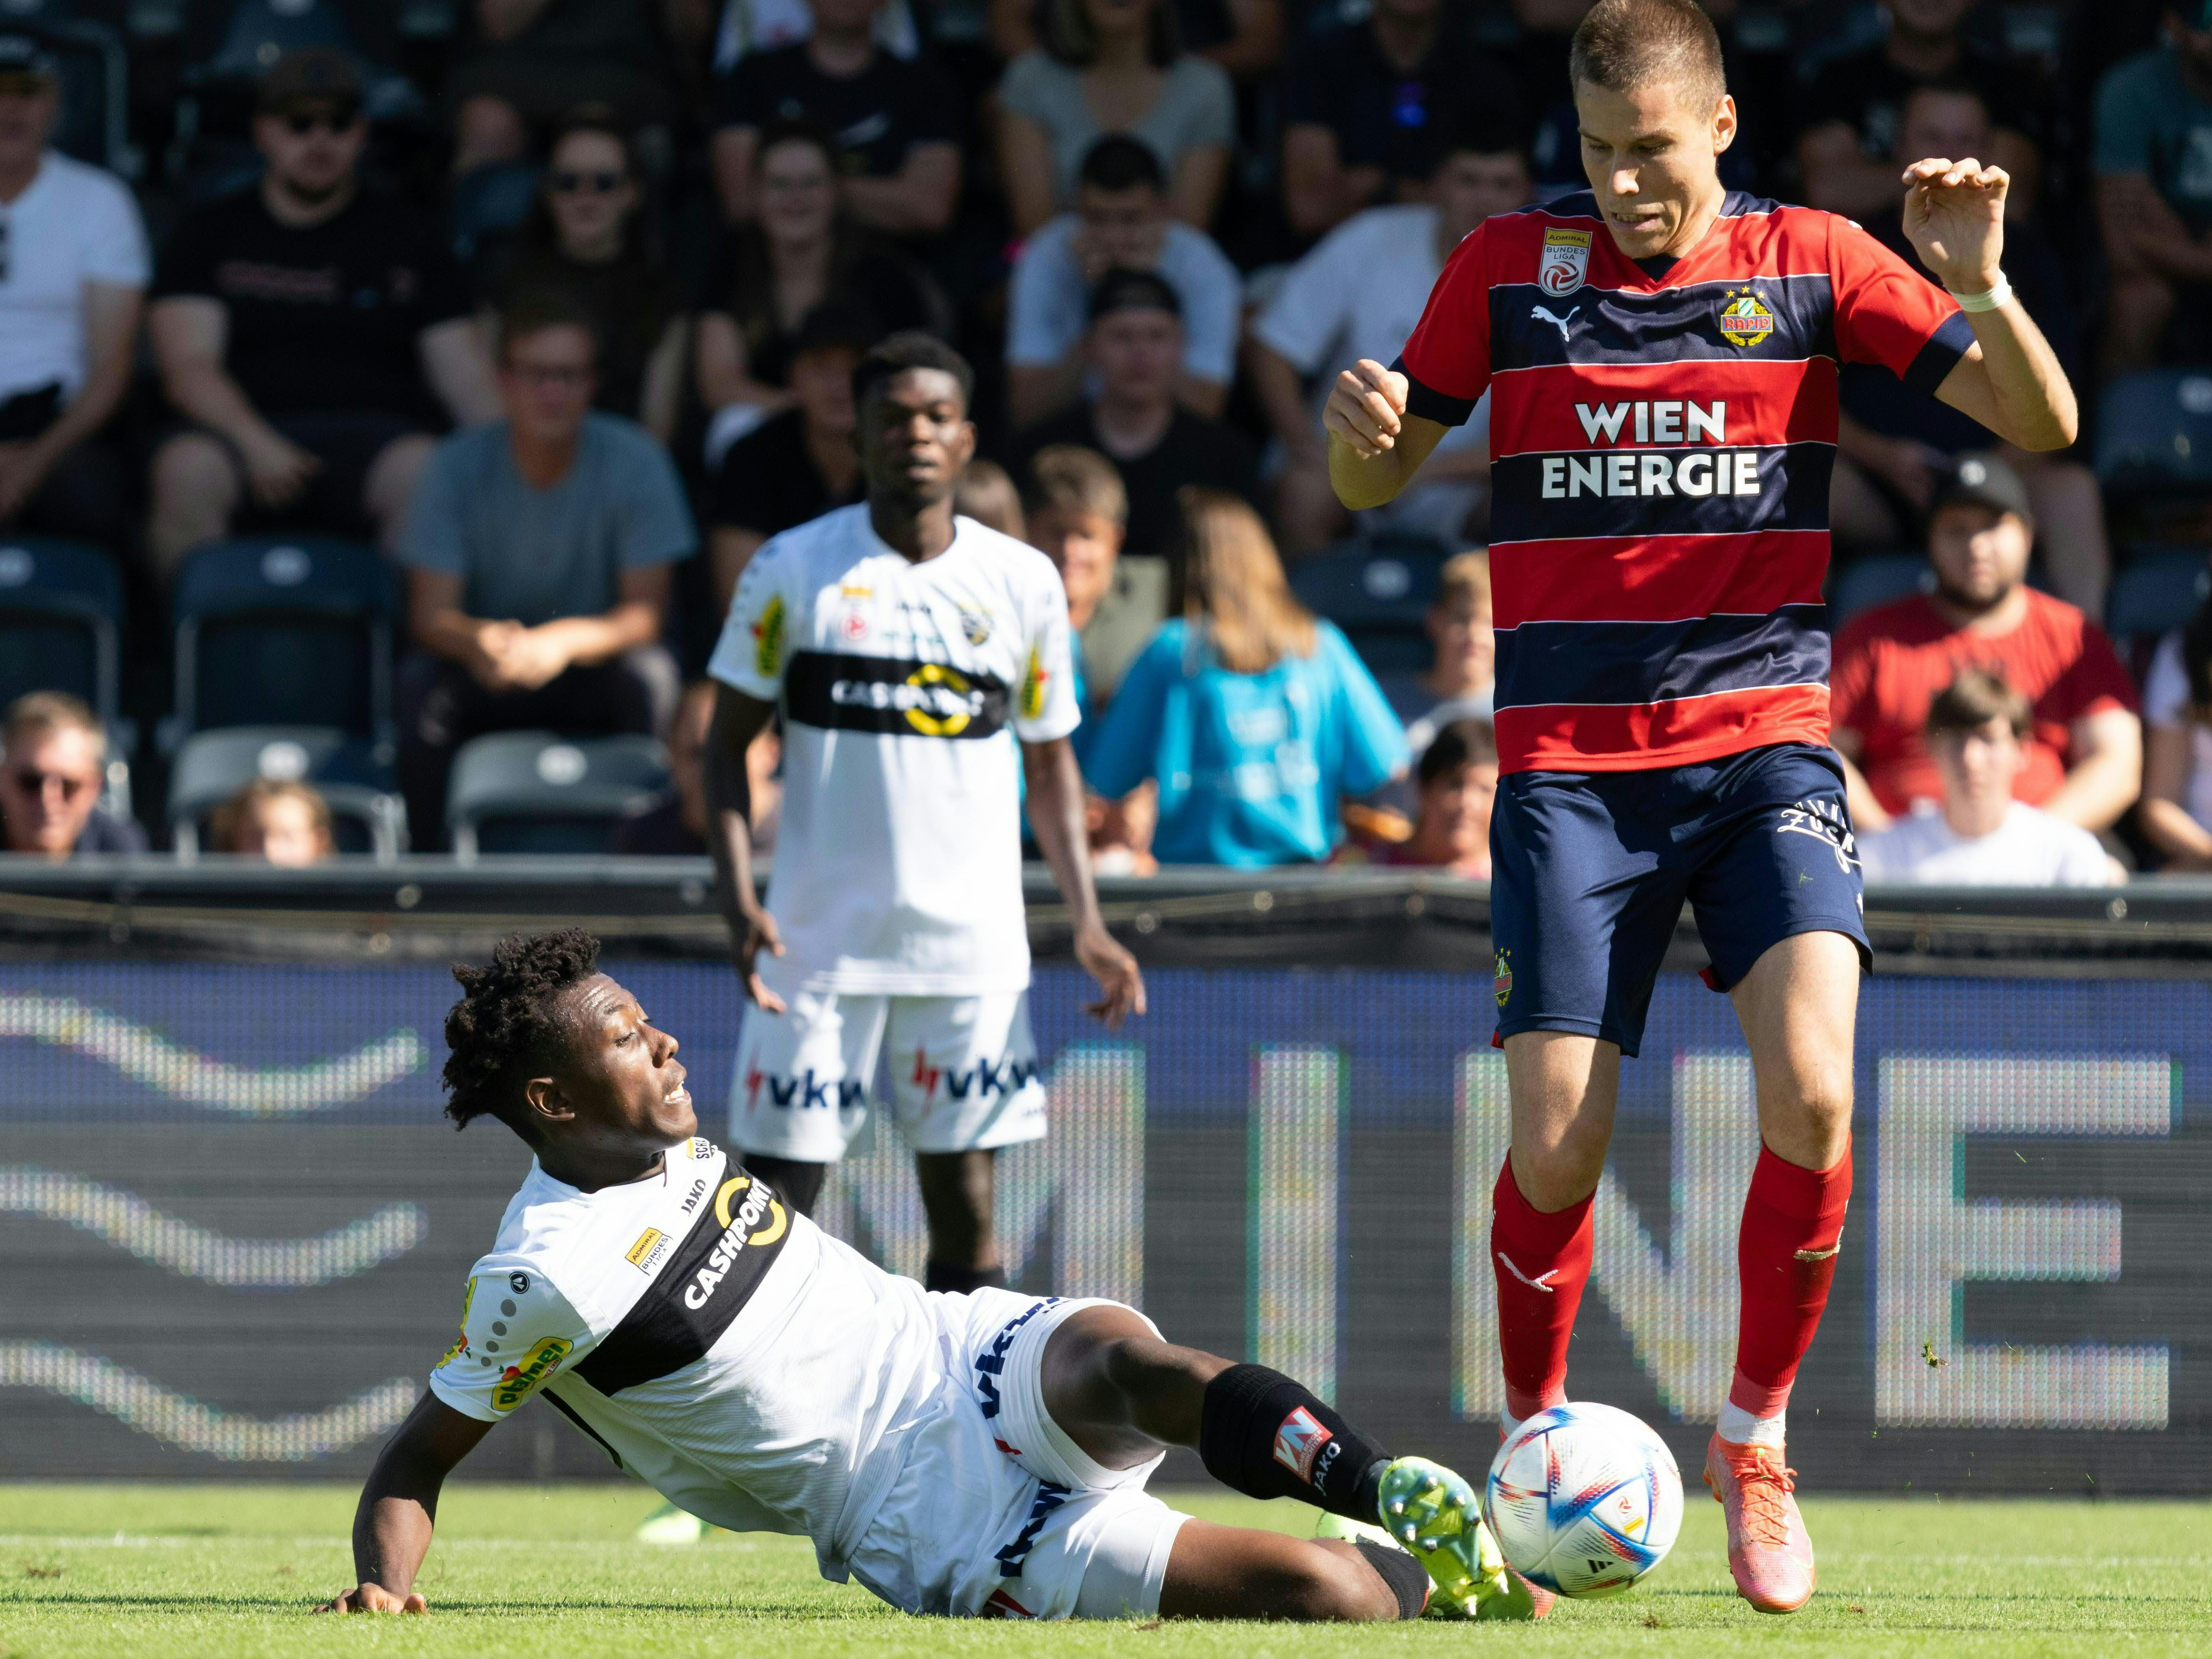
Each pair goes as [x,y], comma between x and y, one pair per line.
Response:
[1135,346]
[312,332]
[2083,755]
[2154,161]
[72,282]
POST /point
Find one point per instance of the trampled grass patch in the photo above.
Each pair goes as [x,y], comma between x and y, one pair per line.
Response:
[229,1572]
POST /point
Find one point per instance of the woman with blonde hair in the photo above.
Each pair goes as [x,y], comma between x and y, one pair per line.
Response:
[1257,718]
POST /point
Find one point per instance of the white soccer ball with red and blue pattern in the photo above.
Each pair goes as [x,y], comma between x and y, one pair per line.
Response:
[1583,1499]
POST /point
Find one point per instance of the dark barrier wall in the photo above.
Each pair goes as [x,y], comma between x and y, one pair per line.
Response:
[235,1228]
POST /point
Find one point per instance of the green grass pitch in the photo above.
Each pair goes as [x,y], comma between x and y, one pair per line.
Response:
[174,1572]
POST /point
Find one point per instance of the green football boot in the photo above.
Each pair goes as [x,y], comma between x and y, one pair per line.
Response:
[1432,1513]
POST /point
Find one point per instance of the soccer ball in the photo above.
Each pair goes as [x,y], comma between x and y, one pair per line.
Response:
[1583,1499]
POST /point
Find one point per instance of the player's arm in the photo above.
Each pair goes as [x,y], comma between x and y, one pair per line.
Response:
[1057,820]
[2010,380]
[1375,447]
[739,719]
[400,1507]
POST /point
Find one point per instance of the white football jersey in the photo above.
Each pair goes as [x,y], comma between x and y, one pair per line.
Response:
[715,1343]
[898,864]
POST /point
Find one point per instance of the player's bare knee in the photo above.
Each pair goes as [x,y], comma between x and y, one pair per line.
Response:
[1322,1584]
[1561,1169]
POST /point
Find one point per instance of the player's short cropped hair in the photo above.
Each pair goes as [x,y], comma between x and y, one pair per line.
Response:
[910,349]
[35,713]
[509,1026]
[1119,162]
[1975,698]
[1465,579]
[1470,742]
[1623,45]
[1070,478]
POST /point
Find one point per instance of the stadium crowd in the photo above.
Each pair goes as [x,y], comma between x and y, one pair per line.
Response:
[554,305]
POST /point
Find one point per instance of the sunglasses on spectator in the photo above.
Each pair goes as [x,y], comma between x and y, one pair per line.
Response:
[566,183]
[34,783]
[304,122]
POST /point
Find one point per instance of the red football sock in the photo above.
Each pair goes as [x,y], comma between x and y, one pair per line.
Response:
[1542,1262]
[1786,1254]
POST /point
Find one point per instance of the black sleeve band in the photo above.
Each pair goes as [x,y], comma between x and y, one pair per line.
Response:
[1433,405]
[1945,347]
[1266,1436]
[1408,1579]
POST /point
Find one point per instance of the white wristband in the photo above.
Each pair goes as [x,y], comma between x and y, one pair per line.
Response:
[1997,295]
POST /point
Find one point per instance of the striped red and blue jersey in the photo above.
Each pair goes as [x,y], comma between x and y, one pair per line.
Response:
[1662,435]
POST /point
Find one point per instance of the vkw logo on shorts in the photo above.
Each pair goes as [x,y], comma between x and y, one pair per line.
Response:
[1565,265]
[992,1362]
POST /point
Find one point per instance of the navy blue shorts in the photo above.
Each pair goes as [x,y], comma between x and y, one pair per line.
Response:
[1590,869]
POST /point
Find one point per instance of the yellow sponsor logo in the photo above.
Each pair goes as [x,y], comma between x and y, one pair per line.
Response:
[1033,684]
[645,1255]
[461,1342]
[768,639]
[516,1382]
[1745,320]
[947,716]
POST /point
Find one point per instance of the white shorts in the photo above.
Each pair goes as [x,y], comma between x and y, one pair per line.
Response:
[964,1073]
[997,1513]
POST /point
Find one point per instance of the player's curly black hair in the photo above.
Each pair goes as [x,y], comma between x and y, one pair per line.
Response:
[508,1026]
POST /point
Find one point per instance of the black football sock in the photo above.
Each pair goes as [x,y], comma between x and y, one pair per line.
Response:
[1268,1437]
[1407,1578]
[940,1276]
[797,1184]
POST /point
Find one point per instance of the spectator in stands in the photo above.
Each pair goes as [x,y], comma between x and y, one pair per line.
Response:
[540,58]
[585,241]
[2154,161]
[53,761]
[71,287]
[897,120]
[1896,442]
[2177,800]
[1850,116]
[1363,104]
[538,557]
[676,826]
[1158,445]
[1256,721]
[1461,683]
[1358,295]
[1244,36]
[283,821]
[2082,760]
[798,252]
[987,495]
[798,465]
[1112,66]
[1079,515]
[1120,221]
[1978,835]
[300,327]
[1455,784]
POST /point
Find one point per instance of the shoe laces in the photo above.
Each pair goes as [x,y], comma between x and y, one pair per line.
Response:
[1764,1484]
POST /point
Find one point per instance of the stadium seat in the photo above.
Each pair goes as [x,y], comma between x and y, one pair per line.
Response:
[367,816]
[61,616]
[1865,583]
[1378,591]
[295,630]
[534,792]
[2155,433]
[2157,593]
[94,125]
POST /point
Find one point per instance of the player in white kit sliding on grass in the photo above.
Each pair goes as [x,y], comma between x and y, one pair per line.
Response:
[980,1454]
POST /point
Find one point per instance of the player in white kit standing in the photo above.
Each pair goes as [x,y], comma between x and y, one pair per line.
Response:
[903,644]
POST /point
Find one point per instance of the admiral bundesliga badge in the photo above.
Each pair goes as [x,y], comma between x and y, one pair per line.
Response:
[1566,261]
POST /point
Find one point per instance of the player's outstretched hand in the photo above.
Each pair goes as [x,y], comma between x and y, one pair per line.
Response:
[1954,218]
[374,1598]
[751,932]
[1120,981]
[1366,407]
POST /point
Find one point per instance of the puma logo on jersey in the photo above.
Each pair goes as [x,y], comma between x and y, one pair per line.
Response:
[1539,313]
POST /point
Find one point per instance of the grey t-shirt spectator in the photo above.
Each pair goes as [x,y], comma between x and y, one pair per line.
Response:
[531,556]
[1197,106]
[2149,122]
[1048,306]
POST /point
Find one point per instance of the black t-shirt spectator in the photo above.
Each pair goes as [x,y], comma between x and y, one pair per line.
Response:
[767,482]
[877,115]
[321,318]
[1867,93]
[865,275]
[1194,450]
[1383,117]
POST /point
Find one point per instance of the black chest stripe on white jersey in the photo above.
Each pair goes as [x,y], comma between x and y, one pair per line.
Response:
[699,1289]
[895,696]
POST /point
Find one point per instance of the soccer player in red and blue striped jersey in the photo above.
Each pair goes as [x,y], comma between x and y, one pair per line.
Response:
[1661,357]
